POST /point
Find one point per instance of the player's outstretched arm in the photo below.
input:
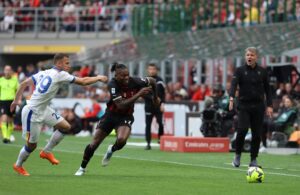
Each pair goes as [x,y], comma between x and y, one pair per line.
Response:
[90,80]
[18,97]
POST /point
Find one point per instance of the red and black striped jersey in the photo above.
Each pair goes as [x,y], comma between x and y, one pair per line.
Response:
[125,92]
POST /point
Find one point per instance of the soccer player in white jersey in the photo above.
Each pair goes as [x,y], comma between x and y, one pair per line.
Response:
[37,112]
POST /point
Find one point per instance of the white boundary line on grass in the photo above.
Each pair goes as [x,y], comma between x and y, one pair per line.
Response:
[169,162]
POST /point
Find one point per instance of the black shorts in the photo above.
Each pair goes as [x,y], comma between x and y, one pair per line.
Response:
[110,121]
[5,107]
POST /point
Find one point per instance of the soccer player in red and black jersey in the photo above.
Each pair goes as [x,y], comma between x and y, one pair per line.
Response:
[124,91]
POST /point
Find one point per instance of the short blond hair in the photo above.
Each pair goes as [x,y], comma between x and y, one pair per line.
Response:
[252,49]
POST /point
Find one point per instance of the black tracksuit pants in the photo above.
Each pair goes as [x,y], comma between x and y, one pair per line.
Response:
[159,119]
[250,115]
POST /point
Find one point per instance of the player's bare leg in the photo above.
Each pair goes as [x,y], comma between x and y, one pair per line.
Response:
[123,133]
[58,135]
[90,149]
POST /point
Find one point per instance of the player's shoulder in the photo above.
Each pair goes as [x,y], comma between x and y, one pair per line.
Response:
[137,79]
[15,79]
[63,73]
[112,83]
[261,68]
[158,78]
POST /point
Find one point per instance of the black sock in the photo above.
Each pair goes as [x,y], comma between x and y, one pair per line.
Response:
[114,148]
[88,154]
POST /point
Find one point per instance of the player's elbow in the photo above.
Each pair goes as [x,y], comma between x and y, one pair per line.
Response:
[24,84]
[151,81]
[121,105]
[82,81]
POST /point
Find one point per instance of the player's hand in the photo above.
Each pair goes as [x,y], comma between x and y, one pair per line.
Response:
[14,104]
[269,112]
[102,78]
[144,91]
[162,107]
[230,105]
[156,102]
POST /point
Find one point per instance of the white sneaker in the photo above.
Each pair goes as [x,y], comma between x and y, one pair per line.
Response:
[81,171]
[83,133]
[107,156]
[262,149]
[12,138]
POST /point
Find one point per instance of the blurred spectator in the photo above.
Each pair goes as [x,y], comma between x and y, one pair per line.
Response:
[92,71]
[87,17]
[84,71]
[179,96]
[48,22]
[234,15]
[181,90]
[35,3]
[21,74]
[280,91]
[91,116]
[47,3]
[69,22]
[30,70]
[27,20]
[282,123]
[201,93]
[252,13]
[69,7]
[289,90]
[1,10]
[7,22]
[298,10]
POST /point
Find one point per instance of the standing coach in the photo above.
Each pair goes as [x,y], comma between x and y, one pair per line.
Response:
[254,96]
[150,109]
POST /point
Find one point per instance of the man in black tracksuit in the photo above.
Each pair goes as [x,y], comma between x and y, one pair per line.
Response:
[150,109]
[254,95]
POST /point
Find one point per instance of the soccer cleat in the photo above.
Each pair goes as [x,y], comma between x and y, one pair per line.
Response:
[50,157]
[6,141]
[253,163]
[81,171]
[107,156]
[148,147]
[20,170]
[236,161]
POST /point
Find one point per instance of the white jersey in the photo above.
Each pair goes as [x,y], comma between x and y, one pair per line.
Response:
[47,84]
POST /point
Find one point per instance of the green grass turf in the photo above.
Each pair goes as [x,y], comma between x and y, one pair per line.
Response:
[136,171]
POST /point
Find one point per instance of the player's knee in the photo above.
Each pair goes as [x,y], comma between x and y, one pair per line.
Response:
[121,142]
[65,128]
[68,127]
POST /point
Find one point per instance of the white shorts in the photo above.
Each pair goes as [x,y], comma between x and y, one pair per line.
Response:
[32,123]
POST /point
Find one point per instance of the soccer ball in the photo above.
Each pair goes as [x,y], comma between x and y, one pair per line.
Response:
[255,175]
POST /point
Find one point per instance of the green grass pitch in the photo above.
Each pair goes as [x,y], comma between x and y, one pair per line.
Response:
[136,171]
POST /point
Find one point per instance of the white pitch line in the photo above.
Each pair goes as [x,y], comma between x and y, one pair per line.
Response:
[170,162]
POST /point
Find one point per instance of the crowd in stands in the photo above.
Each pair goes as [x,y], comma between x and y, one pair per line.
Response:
[202,14]
[244,12]
[68,12]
